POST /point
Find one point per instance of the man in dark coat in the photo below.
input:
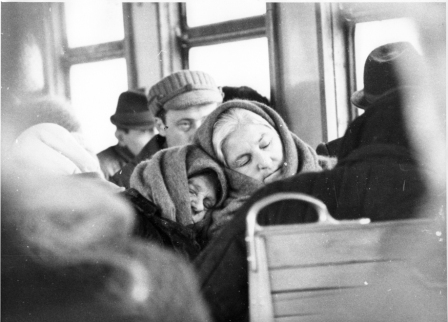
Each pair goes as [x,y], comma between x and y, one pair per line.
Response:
[379,78]
[135,127]
[180,102]
[376,177]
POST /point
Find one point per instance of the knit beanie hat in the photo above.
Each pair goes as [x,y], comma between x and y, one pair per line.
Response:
[182,90]
[132,112]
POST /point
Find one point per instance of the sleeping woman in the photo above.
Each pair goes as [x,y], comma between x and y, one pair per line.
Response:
[254,146]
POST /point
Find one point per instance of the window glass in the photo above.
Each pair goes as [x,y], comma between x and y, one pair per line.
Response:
[95,88]
[370,35]
[93,22]
[239,63]
[202,13]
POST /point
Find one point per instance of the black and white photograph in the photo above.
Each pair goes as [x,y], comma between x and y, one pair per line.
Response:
[223,161]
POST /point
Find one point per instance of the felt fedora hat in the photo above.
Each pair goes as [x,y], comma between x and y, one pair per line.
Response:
[132,112]
[382,73]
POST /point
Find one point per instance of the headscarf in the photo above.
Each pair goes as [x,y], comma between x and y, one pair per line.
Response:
[298,157]
[164,180]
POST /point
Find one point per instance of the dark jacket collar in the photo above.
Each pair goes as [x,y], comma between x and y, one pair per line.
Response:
[382,124]
[124,152]
[154,145]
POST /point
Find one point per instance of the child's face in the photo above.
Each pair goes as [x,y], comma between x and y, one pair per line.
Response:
[202,196]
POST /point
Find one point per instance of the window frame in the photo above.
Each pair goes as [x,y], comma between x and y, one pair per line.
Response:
[230,31]
[93,53]
[338,24]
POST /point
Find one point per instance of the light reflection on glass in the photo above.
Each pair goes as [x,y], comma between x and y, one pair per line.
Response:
[95,88]
[239,63]
[92,22]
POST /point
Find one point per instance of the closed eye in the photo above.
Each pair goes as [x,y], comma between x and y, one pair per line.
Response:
[209,203]
[242,161]
[265,145]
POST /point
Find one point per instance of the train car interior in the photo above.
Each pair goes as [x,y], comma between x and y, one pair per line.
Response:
[306,60]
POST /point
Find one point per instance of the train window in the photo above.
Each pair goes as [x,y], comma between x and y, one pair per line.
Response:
[236,63]
[101,23]
[231,45]
[372,34]
[95,64]
[221,11]
[95,100]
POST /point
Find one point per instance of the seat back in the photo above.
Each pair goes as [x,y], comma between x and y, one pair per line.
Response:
[345,270]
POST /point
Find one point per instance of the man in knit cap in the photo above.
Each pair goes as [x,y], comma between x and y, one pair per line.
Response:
[135,127]
[180,103]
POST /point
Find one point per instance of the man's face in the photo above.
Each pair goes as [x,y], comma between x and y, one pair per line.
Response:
[180,125]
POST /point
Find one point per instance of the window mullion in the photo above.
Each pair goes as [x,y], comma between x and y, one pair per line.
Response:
[95,53]
[225,31]
[274,54]
[129,45]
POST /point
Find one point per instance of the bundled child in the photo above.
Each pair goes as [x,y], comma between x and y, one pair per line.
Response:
[185,185]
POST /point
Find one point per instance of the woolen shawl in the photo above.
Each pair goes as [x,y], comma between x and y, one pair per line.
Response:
[164,180]
[298,157]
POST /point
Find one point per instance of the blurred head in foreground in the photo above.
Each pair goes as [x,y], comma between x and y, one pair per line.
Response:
[67,255]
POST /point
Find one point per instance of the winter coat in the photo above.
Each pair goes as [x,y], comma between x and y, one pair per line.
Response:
[152,227]
[113,159]
[298,156]
[123,176]
[329,149]
[376,177]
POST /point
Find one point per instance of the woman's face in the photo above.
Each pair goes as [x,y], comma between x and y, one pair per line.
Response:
[256,151]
